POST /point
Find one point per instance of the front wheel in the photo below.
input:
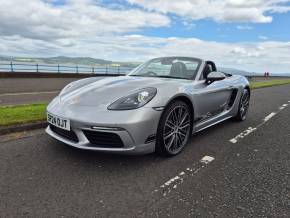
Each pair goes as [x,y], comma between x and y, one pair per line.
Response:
[174,129]
[243,106]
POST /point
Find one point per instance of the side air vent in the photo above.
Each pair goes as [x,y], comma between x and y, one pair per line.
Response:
[232,98]
[150,138]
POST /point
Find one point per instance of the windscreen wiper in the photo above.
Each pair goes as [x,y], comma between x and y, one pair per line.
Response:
[161,76]
[172,77]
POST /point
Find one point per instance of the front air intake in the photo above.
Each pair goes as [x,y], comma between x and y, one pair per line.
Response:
[70,135]
[104,139]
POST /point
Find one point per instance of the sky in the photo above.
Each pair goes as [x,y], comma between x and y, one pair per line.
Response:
[252,35]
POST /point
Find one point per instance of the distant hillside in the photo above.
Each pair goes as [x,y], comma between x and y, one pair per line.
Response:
[87,61]
[238,72]
[245,73]
[76,61]
[69,61]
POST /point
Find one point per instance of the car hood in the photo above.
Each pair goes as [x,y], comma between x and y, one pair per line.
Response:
[103,92]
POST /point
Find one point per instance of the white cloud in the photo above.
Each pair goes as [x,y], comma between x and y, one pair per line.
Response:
[244,27]
[188,24]
[263,37]
[77,18]
[270,56]
[85,28]
[218,10]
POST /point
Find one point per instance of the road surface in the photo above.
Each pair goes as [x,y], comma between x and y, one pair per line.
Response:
[15,91]
[221,173]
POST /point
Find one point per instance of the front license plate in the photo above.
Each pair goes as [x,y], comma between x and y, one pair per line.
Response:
[58,122]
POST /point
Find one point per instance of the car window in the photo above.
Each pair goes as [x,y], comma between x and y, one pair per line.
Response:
[191,65]
[158,68]
[171,67]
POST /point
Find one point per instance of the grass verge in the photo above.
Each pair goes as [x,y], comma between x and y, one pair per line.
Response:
[13,115]
[263,84]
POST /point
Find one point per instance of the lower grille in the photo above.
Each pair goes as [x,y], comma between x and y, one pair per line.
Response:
[70,135]
[104,139]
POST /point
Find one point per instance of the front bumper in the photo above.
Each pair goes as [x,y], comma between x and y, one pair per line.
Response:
[134,128]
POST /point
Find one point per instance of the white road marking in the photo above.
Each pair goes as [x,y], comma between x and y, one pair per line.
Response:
[250,129]
[283,106]
[170,181]
[206,159]
[28,93]
[242,134]
[233,140]
[182,173]
[173,183]
[267,118]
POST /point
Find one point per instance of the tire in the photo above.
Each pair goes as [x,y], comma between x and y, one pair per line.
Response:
[174,129]
[243,106]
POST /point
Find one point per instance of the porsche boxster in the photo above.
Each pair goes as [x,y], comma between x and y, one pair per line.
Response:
[155,107]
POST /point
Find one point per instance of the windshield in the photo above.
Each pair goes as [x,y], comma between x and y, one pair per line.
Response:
[169,67]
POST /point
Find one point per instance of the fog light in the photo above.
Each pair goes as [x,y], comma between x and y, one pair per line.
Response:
[107,128]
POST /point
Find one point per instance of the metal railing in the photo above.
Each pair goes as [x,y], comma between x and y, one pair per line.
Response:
[50,68]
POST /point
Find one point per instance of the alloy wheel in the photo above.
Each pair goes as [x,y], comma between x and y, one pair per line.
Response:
[177,129]
[244,106]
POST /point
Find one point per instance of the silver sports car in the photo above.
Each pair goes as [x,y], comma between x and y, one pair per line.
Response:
[156,107]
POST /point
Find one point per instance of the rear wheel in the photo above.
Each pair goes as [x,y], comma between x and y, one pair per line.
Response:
[243,106]
[174,129]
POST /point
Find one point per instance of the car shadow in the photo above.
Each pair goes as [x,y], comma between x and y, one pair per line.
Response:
[87,156]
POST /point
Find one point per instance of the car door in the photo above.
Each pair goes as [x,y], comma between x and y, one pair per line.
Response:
[212,99]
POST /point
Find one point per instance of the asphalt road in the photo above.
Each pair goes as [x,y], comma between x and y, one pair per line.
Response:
[15,91]
[246,175]
[19,85]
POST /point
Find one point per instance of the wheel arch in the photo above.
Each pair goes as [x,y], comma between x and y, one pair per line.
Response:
[159,148]
[187,100]
[182,97]
[249,89]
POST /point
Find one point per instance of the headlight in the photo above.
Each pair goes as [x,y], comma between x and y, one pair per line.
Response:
[135,100]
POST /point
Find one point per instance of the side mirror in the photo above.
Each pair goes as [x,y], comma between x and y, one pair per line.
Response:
[215,76]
